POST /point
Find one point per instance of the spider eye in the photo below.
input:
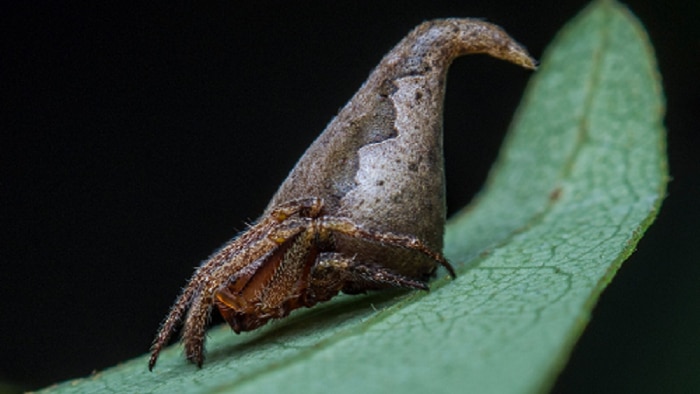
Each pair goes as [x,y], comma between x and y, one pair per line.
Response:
[280,240]
[280,216]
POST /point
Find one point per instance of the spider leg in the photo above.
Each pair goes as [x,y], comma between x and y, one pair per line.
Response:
[195,324]
[347,227]
[235,255]
[292,274]
[238,293]
[306,207]
[178,310]
[226,255]
[193,333]
[169,324]
[276,238]
[342,273]
[275,287]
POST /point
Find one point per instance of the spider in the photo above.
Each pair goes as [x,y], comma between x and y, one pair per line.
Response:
[364,207]
[287,260]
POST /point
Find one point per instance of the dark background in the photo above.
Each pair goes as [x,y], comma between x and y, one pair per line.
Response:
[136,139]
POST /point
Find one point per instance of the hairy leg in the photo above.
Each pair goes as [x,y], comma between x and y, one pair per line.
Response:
[336,272]
[234,256]
[347,227]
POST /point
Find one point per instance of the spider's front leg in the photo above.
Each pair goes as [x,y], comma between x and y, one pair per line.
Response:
[249,296]
[273,288]
[239,257]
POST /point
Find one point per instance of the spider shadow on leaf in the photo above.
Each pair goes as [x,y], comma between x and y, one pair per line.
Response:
[328,317]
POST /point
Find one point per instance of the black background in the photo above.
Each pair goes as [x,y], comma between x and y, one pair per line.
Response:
[135,139]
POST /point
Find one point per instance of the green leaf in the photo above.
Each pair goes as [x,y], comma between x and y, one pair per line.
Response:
[581,176]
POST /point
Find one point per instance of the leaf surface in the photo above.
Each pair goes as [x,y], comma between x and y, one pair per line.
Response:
[581,176]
